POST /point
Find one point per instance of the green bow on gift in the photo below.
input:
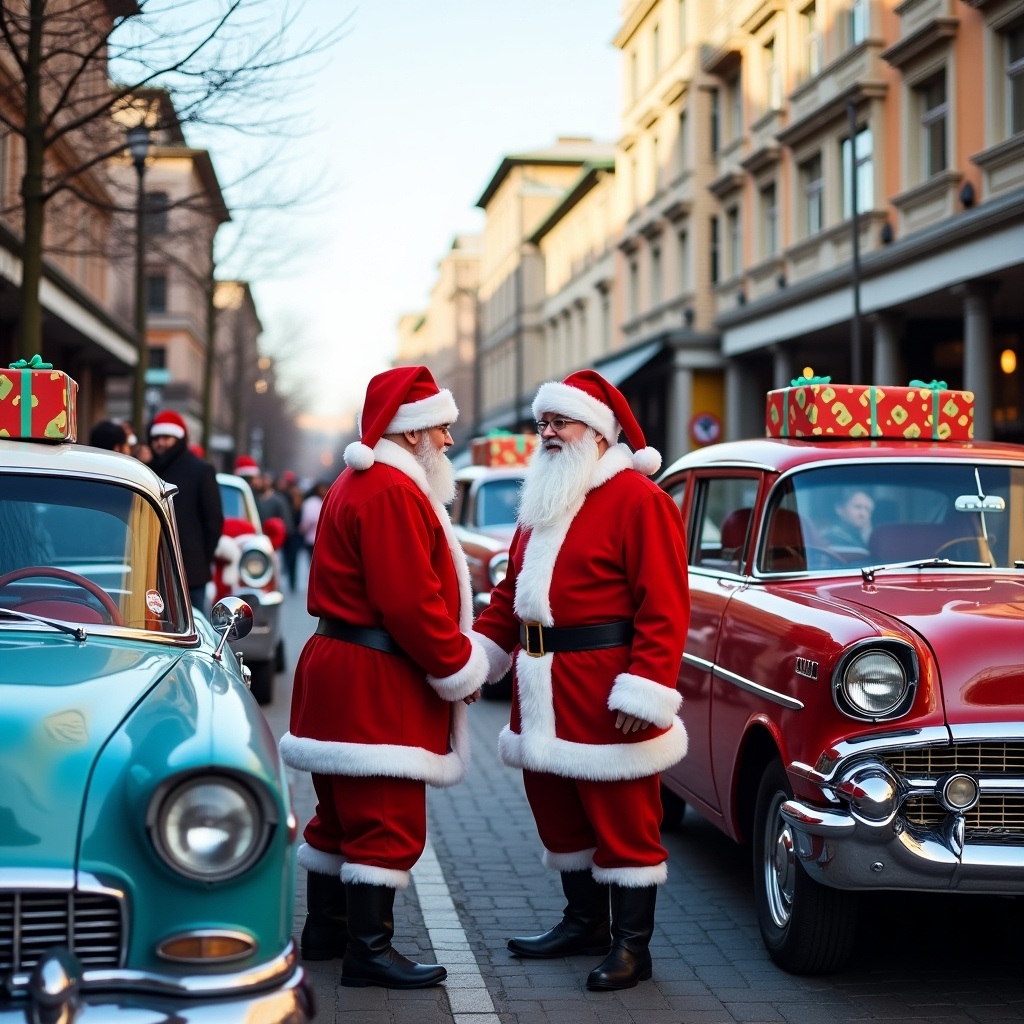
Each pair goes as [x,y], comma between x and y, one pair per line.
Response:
[799,382]
[935,385]
[35,363]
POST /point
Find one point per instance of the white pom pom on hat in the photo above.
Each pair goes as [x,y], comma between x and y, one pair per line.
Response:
[586,396]
[400,399]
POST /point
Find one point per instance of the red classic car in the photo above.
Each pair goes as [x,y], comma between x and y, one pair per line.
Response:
[853,681]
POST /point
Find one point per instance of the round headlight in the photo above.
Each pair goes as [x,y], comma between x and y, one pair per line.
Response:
[254,567]
[209,828]
[497,568]
[874,683]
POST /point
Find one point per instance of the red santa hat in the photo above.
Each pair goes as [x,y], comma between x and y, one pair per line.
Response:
[404,398]
[168,424]
[246,465]
[586,396]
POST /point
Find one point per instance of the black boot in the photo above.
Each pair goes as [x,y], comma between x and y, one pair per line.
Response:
[325,933]
[629,961]
[584,925]
[370,959]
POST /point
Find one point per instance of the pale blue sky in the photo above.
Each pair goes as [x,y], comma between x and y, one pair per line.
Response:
[414,111]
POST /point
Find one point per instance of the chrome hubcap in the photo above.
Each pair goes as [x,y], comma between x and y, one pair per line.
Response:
[779,865]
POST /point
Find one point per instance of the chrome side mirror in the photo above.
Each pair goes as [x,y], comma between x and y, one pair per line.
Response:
[232,618]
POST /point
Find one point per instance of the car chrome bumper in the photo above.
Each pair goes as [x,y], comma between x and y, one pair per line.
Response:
[839,849]
[52,995]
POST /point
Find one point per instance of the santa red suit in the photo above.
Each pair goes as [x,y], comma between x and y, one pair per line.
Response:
[374,728]
[620,554]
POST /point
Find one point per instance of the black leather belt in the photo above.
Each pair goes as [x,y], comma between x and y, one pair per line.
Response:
[365,636]
[538,640]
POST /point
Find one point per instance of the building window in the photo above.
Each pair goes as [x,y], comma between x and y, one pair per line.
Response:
[1015,79]
[732,218]
[156,293]
[811,38]
[656,272]
[682,154]
[634,182]
[634,288]
[682,24]
[683,255]
[656,157]
[634,77]
[769,221]
[5,156]
[858,21]
[714,246]
[864,173]
[606,321]
[735,107]
[655,51]
[813,186]
[934,114]
[772,81]
[158,357]
[156,206]
[716,122]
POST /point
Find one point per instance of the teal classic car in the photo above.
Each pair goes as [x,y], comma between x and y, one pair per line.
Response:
[146,835]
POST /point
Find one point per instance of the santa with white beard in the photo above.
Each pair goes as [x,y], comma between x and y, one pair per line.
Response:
[594,608]
[379,700]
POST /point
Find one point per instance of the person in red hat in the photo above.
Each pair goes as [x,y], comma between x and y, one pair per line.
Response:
[246,466]
[595,608]
[197,505]
[380,692]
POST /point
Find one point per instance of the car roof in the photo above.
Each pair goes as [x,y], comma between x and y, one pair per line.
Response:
[472,473]
[782,454]
[70,459]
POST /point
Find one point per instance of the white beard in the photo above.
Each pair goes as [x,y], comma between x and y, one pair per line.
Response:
[438,469]
[557,480]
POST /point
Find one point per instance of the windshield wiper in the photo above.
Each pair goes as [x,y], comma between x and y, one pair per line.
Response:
[76,631]
[868,571]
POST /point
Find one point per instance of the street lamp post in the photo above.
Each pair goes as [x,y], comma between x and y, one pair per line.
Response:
[139,142]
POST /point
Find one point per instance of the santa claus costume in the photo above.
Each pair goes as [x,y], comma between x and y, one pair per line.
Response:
[595,608]
[377,705]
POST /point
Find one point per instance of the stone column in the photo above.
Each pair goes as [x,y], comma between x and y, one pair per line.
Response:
[679,392]
[782,366]
[979,359]
[887,333]
[735,397]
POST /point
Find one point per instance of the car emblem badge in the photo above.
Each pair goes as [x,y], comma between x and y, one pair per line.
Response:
[806,667]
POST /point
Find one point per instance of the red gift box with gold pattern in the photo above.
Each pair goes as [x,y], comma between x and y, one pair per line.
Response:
[500,449]
[815,407]
[37,402]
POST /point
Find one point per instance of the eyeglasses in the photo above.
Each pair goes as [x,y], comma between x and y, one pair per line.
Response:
[557,425]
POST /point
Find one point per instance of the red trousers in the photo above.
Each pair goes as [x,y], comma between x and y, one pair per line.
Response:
[377,821]
[621,819]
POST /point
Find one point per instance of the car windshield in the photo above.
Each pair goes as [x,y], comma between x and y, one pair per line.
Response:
[496,502]
[233,501]
[89,552]
[881,513]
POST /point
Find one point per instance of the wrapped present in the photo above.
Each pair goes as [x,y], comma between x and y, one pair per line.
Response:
[815,407]
[37,402]
[501,448]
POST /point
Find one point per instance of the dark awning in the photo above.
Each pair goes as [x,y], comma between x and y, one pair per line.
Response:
[621,366]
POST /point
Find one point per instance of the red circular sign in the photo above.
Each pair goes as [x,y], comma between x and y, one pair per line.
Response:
[705,428]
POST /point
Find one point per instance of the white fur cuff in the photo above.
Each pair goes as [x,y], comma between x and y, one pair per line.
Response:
[633,878]
[369,874]
[317,862]
[499,661]
[469,678]
[645,699]
[580,860]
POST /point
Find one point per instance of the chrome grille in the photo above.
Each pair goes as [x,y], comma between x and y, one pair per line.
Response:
[994,814]
[88,924]
[976,758]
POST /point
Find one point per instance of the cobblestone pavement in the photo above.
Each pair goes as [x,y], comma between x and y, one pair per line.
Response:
[920,958]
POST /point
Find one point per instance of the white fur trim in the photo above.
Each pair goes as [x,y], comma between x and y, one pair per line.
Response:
[633,878]
[317,862]
[358,455]
[330,757]
[166,430]
[576,404]
[499,661]
[644,699]
[427,412]
[370,874]
[468,679]
[580,860]
[229,551]
[647,461]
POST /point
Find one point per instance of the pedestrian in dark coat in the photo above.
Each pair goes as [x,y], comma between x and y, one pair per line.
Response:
[197,505]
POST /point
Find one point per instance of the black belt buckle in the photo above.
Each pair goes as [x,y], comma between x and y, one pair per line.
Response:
[533,651]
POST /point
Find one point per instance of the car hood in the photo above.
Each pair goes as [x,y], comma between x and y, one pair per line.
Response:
[497,537]
[975,628]
[62,701]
